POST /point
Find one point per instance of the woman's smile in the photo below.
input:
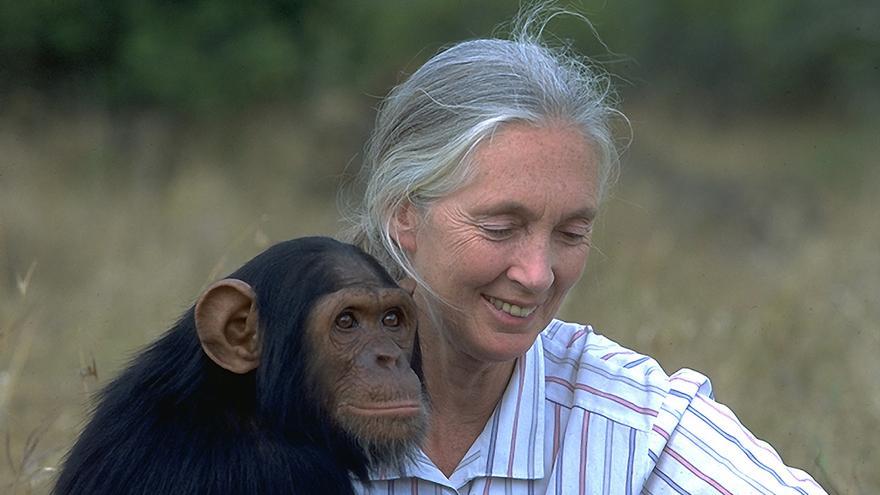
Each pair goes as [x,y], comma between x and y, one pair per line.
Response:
[500,253]
[513,309]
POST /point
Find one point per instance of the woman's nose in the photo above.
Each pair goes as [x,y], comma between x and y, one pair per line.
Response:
[533,267]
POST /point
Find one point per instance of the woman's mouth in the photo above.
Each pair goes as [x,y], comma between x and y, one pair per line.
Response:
[511,309]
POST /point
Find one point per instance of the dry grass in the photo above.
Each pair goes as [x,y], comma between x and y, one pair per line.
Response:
[746,251]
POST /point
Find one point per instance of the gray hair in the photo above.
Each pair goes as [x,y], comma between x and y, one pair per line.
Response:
[428,126]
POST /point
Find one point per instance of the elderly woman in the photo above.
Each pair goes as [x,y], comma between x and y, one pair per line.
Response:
[483,179]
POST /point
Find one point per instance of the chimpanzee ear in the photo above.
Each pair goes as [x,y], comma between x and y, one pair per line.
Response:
[228,325]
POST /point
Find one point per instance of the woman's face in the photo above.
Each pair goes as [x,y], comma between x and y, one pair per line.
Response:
[505,249]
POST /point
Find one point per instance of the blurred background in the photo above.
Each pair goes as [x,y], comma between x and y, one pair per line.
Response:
[146,148]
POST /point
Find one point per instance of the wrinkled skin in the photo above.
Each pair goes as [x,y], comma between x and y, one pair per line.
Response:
[364,335]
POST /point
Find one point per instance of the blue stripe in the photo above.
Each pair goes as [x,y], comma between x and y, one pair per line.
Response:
[533,433]
[671,483]
[719,459]
[630,460]
[558,464]
[675,414]
[609,451]
[746,451]
[637,362]
[681,395]
[494,440]
[464,462]
[553,328]
[617,378]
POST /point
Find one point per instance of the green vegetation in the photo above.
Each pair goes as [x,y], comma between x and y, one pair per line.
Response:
[205,56]
[148,148]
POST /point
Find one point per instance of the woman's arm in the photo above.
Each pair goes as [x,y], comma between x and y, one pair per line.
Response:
[699,446]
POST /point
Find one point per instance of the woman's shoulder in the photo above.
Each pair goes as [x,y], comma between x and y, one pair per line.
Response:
[574,346]
[585,369]
[690,438]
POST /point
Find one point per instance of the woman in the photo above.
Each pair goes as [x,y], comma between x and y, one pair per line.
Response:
[483,178]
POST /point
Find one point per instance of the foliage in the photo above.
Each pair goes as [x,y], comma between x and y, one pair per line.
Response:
[199,56]
[753,53]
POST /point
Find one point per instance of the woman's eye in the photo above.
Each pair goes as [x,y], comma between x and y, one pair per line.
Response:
[346,320]
[392,318]
[497,231]
[576,236]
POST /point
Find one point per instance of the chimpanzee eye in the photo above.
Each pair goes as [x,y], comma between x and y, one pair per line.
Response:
[392,318]
[346,320]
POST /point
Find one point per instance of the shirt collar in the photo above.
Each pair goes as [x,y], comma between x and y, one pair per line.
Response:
[511,444]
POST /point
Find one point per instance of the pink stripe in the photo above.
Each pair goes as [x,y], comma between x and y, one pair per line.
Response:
[697,472]
[620,400]
[680,379]
[748,434]
[522,380]
[559,472]
[557,419]
[751,437]
[576,336]
[585,430]
[608,356]
[414,488]
[661,432]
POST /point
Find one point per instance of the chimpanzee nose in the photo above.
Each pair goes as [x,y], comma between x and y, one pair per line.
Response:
[385,355]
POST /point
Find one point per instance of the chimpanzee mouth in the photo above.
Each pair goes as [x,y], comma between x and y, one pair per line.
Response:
[388,432]
[390,408]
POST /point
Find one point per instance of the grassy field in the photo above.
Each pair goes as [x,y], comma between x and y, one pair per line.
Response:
[747,250]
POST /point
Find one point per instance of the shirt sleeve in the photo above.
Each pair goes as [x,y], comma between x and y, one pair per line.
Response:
[699,446]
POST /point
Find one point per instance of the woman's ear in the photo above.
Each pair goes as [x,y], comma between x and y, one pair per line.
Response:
[408,284]
[405,226]
[228,325]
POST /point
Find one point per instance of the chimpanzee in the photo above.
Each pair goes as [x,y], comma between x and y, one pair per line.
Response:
[290,376]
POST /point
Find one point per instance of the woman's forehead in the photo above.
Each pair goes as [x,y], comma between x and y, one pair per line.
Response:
[523,167]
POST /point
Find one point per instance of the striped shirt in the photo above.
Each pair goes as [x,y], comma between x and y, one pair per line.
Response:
[582,415]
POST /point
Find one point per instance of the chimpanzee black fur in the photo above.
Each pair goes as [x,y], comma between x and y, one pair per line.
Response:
[176,423]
